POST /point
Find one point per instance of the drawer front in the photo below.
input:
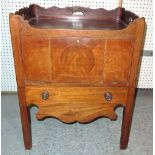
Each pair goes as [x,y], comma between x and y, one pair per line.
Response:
[76,103]
[36,58]
[77,60]
[59,94]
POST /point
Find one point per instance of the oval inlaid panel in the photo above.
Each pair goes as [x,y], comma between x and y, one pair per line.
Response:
[77,60]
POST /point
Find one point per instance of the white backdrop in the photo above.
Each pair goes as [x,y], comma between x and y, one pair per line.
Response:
[143,8]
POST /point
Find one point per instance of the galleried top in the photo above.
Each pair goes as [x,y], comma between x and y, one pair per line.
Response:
[77,18]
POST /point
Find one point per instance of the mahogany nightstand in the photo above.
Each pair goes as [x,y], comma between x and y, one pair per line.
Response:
[76,64]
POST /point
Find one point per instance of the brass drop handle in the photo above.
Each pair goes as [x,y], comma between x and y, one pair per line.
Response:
[108,96]
[45,95]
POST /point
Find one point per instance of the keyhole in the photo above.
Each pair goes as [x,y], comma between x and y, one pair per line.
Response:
[78,41]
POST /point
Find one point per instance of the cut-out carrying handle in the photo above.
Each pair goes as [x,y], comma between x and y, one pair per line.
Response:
[77,11]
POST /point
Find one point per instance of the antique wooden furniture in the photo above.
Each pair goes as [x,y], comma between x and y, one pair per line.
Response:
[76,63]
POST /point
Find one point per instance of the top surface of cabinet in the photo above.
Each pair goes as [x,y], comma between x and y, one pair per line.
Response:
[76,24]
[77,18]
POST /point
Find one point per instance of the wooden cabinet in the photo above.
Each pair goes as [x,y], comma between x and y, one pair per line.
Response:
[76,68]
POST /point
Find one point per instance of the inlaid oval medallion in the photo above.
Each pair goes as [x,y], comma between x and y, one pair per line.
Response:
[77,60]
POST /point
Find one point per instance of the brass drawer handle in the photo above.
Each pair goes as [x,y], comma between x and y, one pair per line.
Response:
[108,96]
[45,95]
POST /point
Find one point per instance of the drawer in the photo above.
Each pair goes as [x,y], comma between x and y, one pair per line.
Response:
[71,104]
[73,95]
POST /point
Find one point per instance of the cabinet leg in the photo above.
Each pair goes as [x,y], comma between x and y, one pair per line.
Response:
[26,127]
[127,119]
[25,120]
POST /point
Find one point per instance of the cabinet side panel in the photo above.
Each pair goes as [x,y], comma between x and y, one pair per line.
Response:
[15,26]
[15,39]
[139,36]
